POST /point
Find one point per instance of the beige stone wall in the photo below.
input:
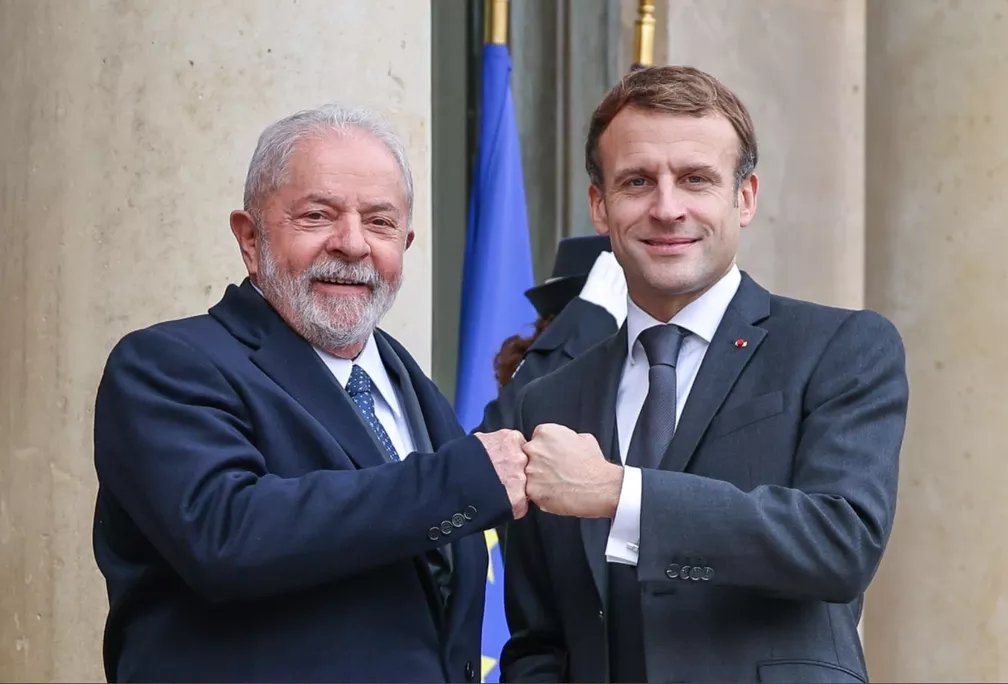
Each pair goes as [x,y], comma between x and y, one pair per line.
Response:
[937,248]
[125,130]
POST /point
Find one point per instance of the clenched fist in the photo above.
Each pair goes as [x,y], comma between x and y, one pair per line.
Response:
[568,474]
[505,450]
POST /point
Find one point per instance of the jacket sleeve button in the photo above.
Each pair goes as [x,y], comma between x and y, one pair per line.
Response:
[672,571]
[433,534]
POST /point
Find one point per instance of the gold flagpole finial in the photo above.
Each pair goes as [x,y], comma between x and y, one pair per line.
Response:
[496,23]
[644,33]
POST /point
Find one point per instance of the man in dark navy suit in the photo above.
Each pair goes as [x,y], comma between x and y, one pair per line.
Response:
[283,494]
[714,485]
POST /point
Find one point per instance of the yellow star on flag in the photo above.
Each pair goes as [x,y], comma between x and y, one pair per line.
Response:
[491,542]
[488,664]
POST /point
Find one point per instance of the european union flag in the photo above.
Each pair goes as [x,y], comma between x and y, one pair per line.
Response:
[496,272]
[498,262]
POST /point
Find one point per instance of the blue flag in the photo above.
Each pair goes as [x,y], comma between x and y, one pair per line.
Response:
[498,262]
[496,272]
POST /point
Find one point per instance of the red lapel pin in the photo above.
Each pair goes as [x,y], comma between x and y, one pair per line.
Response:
[741,343]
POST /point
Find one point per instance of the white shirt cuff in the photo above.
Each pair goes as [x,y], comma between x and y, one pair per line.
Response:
[624,535]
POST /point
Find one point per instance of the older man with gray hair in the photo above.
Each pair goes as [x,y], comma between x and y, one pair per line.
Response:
[284,495]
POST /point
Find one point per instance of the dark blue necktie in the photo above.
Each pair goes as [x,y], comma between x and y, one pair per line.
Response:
[652,435]
[360,387]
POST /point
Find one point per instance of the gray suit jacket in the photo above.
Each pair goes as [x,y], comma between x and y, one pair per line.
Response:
[764,524]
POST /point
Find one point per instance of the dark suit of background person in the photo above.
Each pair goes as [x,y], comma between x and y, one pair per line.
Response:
[567,326]
[764,520]
[250,525]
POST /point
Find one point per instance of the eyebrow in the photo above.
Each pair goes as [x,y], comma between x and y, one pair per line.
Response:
[334,201]
[703,169]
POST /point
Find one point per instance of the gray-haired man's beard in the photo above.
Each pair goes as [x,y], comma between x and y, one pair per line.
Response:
[327,322]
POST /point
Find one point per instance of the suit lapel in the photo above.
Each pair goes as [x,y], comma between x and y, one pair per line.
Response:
[292,363]
[289,360]
[598,416]
[407,394]
[722,364]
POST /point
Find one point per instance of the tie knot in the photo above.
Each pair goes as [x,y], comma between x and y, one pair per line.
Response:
[359,382]
[661,344]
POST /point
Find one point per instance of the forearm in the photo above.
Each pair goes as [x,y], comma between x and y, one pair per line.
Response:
[236,534]
[776,540]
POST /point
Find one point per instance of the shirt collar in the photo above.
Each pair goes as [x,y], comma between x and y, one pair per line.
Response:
[370,361]
[701,317]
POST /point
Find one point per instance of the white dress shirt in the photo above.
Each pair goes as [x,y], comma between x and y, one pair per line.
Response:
[387,404]
[701,318]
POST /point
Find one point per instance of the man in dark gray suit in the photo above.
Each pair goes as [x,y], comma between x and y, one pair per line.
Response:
[714,485]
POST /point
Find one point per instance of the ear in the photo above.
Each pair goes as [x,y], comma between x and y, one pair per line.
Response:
[597,209]
[747,199]
[409,239]
[243,227]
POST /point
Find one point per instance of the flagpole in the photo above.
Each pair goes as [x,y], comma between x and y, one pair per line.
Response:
[496,28]
[644,30]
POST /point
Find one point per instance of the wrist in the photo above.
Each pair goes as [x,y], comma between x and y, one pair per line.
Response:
[613,490]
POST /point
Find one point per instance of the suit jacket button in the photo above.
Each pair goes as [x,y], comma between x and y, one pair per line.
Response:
[696,573]
[470,673]
[458,520]
[708,573]
[446,527]
[433,534]
[672,571]
[684,572]
[469,513]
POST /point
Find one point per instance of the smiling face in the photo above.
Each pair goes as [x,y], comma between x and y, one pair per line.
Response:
[327,248]
[669,203]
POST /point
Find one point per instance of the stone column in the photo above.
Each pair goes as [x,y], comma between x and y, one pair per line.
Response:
[125,128]
[937,248]
[799,67]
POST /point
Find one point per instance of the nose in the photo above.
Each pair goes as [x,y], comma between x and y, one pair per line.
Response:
[347,239]
[669,202]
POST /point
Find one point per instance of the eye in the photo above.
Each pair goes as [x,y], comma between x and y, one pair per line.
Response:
[695,179]
[315,216]
[383,222]
[636,182]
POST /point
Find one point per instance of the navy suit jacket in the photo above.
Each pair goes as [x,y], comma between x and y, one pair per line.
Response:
[761,529]
[249,527]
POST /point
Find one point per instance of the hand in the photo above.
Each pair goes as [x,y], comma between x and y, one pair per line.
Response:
[504,448]
[606,286]
[568,475]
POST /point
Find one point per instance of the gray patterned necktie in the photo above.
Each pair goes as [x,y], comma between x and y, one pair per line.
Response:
[656,424]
